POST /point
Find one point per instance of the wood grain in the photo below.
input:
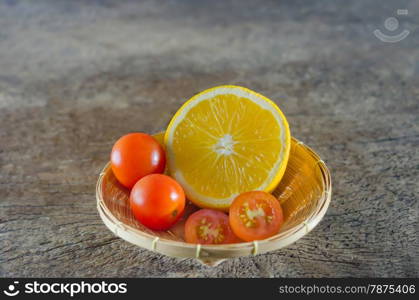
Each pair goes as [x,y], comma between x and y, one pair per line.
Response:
[74,76]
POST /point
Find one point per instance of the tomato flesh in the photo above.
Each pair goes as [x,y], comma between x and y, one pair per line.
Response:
[207,226]
[136,155]
[157,201]
[255,215]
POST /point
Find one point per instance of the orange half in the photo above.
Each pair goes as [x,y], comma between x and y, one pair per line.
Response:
[225,141]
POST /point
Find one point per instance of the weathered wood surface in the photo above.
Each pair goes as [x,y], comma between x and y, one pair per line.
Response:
[76,75]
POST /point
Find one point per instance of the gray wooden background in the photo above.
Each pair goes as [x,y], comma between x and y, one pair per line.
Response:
[76,75]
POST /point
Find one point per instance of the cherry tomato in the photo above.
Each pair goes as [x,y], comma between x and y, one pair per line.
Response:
[207,226]
[157,201]
[255,216]
[136,155]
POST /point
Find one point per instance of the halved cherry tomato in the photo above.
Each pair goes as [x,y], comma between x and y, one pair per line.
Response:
[255,216]
[207,226]
[136,155]
[157,201]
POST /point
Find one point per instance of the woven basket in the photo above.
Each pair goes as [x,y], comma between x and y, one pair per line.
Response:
[304,193]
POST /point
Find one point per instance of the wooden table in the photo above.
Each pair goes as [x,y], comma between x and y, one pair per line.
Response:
[74,76]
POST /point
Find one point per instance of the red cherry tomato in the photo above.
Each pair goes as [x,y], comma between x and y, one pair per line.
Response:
[136,155]
[207,226]
[255,216]
[157,201]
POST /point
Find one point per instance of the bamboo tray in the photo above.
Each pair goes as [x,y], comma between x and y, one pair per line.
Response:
[304,193]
